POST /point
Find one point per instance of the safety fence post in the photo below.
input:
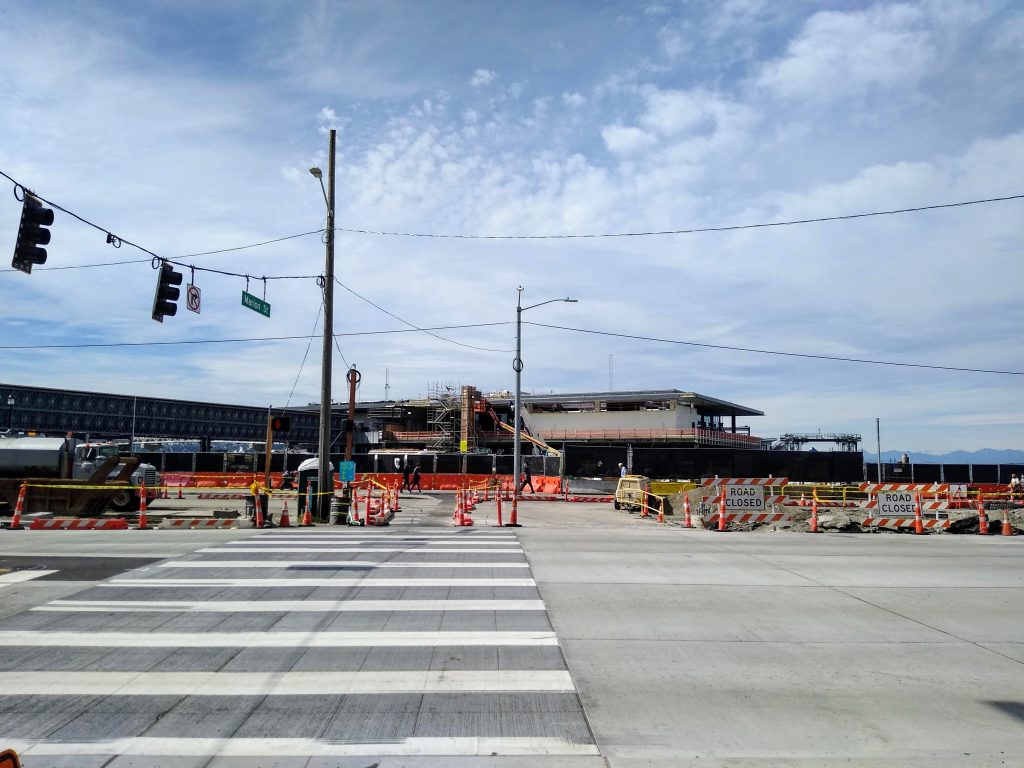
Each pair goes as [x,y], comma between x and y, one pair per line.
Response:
[721,510]
[814,514]
[687,521]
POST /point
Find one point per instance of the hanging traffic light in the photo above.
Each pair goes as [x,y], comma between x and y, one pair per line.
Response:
[166,292]
[281,423]
[32,233]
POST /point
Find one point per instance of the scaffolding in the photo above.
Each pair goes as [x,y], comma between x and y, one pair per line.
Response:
[444,417]
[795,442]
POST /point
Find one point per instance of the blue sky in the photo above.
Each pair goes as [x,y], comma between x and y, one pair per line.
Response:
[189,126]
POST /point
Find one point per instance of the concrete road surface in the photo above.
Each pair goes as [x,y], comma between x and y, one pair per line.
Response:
[585,638]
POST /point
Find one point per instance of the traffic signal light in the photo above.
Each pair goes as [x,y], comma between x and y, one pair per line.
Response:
[281,423]
[32,233]
[166,293]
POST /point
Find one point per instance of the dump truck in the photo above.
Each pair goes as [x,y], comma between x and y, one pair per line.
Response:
[70,477]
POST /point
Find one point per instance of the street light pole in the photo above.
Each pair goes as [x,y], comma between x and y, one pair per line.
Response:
[517,366]
[10,410]
[325,484]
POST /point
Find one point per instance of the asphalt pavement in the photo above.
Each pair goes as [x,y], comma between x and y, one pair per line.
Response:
[587,637]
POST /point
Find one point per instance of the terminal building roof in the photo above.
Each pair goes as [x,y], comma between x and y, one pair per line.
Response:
[703,403]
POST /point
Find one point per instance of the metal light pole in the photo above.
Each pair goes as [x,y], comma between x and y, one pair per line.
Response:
[517,366]
[10,410]
[878,438]
[325,483]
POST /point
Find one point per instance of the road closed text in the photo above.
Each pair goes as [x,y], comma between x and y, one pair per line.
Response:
[891,503]
[744,497]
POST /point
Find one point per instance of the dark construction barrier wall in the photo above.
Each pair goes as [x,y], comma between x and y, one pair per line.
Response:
[589,461]
[681,463]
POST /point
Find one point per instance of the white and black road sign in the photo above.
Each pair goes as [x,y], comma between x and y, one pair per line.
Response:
[896,503]
[744,498]
[193,297]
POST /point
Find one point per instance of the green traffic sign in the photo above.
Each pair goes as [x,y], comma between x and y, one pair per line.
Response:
[256,305]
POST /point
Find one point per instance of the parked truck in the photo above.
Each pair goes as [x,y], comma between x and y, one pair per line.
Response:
[69,477]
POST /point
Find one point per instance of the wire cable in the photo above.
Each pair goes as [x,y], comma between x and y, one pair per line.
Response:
[416,327]
[118,241]
[775,352]
[304,356]
[690,231]
[245,340]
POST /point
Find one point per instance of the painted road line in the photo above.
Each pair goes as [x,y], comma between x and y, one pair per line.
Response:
[260,541]
[385,538]
[277,581]
[53,639]
[262,747]
[361,550]
[286,606]
[113,683]
[367,564]
[17,577]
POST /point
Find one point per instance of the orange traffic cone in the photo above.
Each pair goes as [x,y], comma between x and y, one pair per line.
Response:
[259,510]
[814,514]
[721,512]
[179,493]
[982,518]
[1007,528]
[143,520]
[688,521]
[918,523]
[18,509]
[285,521]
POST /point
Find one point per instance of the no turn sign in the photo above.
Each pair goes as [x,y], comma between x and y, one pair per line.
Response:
[193,297]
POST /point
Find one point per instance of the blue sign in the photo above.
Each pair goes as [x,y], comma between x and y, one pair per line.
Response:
[346,471]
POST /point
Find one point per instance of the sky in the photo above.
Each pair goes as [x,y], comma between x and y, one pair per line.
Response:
[467,130]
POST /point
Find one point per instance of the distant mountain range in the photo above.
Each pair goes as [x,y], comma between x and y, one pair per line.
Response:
[983,456]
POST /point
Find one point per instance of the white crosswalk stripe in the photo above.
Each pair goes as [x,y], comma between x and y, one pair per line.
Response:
[452,656]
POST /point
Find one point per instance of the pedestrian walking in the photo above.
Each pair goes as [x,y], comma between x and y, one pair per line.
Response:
[416,479]
[406,472]
[527,478]
[622,469]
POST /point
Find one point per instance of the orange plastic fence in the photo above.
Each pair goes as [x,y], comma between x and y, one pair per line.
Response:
[428,482]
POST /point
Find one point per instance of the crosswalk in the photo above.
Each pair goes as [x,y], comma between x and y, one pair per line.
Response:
[291,646]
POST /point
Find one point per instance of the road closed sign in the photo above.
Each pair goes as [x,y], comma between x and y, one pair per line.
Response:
[895,503]
[744,498]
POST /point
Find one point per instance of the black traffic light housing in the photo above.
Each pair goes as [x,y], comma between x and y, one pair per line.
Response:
[166,292]
[32,233]
[281,423]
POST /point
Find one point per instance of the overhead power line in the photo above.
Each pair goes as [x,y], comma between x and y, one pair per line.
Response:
[416,327]
[690,231]
[117,241]
[774,352]
[245,340]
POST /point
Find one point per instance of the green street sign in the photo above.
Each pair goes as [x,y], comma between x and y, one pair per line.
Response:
[256,305]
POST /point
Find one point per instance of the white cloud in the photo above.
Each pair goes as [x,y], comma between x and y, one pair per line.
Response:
[625,140]
[482,77]
[574,100]
[839,54]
